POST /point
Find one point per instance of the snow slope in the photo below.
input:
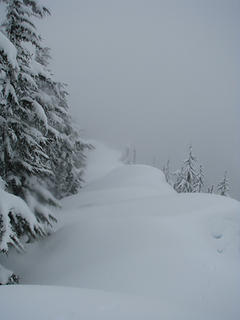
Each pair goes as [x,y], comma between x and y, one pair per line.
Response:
[135,249]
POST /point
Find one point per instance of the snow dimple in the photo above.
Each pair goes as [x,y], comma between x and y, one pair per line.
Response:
[217,235]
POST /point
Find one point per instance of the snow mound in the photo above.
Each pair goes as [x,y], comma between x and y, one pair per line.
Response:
[128,233]
[124,183]
[133,176]
[101,161]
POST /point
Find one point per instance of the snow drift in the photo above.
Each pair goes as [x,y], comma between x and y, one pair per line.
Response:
[141,250]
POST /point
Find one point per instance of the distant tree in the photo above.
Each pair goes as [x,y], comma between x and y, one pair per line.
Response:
[178,178]
[223,186]
[134,160]
[167,173]
[199,184]
[126,155]
[210,189]
[129,155]
[190,179]
[187,176]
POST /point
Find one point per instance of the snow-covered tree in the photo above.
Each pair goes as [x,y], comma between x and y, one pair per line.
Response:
[24,161]
[53,150]
[210,189]
[7,276]
[187,177]
[178,178]
[16,221]
[66,148]
[41,152]
[125,158]
[130,155]
[199,180]
[223,186]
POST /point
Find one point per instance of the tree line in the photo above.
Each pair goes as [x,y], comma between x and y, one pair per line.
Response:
[190,177]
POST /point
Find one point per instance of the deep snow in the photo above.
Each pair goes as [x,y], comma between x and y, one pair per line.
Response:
[136,250]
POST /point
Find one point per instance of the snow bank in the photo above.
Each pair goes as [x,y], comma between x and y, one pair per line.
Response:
[9,50]
[61,303]
[158,254]
[101,161]
[129,176]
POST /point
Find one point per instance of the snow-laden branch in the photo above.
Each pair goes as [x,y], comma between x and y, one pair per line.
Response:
[9,50]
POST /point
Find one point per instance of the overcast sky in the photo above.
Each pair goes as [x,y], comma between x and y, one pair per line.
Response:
[157,74]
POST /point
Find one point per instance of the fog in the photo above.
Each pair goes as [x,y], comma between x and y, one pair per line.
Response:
[157,75]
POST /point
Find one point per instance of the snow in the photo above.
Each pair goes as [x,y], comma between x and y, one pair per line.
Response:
[39,113]
[38,69]
[101,161]
[9,50]
[64,303]
[18,208]
[4,274]
[129,247]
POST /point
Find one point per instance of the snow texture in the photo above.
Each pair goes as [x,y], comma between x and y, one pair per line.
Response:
[10,203]
[135,249]
[5,275]
[38,69]
[9,50]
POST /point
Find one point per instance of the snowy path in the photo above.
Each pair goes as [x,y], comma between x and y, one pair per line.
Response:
[144,251]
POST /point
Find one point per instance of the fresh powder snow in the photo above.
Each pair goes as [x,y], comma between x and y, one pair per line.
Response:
[129,247]
[9,50]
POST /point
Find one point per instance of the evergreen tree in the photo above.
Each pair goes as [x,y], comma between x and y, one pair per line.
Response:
[178,178]
[126,155]
[187,176]
[40,149]
[199,180]
[66,150]
[223,186]
[210,189]
[16,220]
[24,162]
[129,155]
